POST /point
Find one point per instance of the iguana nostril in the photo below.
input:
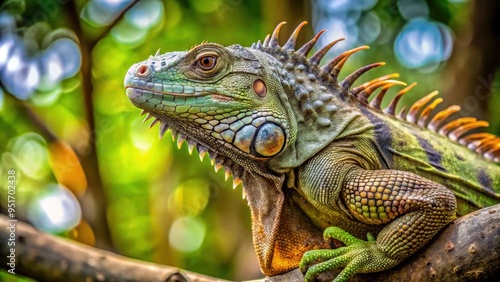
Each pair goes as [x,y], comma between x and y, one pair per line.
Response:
[143,71]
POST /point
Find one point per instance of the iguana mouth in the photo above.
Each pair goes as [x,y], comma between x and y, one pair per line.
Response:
[159,92]
[146,91]
[221,98]
[141,95]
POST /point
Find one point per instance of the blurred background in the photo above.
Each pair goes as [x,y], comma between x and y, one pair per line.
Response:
[88,169]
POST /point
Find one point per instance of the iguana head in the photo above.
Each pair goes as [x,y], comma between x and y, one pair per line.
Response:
[227,101]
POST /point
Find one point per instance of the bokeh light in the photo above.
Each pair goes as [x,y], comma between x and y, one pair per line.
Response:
[145,14]
[413,9]
[186,234]
[128,34]
[56,210]
[83,233]
[190,197]
[423,43]
[369,28]
[30,152]
[66,49]
[22,74]
[52,69]
[141,141]
[136,23]
[342,19]
[67,168]
[49,97]
[14,67]
[98,13]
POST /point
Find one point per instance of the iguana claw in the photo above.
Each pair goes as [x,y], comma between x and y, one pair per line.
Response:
[358,256]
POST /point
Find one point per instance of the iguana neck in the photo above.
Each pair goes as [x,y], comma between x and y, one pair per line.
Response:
[322,109]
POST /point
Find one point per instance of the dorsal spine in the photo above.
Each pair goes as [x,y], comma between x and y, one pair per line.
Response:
[456,130]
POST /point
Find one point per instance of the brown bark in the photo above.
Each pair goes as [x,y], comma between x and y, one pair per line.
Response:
[467,250]
[45,257]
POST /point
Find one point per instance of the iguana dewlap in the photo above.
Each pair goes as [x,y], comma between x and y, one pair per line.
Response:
[318,157]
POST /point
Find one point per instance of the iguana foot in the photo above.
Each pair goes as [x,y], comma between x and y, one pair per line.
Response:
[358,256]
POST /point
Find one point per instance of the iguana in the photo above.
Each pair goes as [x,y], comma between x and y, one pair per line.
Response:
[320,159]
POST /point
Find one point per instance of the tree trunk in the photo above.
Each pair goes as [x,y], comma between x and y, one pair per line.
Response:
[471,70]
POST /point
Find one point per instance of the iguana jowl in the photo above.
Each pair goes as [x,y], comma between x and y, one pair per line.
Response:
[315,157]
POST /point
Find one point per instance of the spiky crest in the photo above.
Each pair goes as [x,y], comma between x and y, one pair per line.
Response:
[318,56]
[485,144]
[350,79]
[338,62]
[306,48]
[290,44]
[192,47]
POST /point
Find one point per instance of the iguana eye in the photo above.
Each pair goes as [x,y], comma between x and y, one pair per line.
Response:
[206,62]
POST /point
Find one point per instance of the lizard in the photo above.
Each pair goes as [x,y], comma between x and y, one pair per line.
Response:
[319,160]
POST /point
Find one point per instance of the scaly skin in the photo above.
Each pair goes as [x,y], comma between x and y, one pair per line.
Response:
[314,155]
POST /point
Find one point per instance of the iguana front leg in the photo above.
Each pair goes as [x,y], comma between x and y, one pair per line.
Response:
[414,209]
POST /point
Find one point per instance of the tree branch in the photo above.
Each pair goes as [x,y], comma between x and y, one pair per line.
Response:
[45,257]
[467,250]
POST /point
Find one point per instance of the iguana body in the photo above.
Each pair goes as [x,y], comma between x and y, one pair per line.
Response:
[312,153]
